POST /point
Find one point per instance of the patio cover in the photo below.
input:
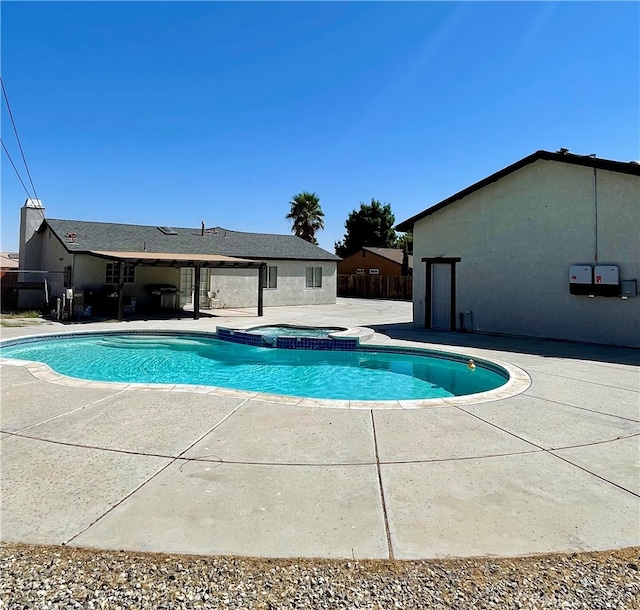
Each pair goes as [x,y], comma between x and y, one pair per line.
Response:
[176,259]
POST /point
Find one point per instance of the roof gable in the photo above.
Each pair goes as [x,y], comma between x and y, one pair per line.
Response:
[395,255]
[564,156]
[86,236]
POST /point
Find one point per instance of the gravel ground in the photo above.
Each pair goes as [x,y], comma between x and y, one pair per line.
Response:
[66,577]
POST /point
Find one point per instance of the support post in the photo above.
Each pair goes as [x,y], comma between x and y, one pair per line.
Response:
[120,289]
[427,296]
[196,293]
[453,314]
[262,278]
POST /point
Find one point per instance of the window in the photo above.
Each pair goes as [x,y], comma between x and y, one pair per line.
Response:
[314,277]
[271,278]
[111,275]
[359,271]
[374,271]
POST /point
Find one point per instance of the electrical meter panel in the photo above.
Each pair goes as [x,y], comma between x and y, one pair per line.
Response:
[598,281]
[607,275]
[580,274]
[606,280]
[581,279]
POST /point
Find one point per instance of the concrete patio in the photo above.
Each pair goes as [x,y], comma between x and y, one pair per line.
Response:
[555,468]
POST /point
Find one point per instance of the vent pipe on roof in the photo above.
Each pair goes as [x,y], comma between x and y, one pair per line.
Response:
[202,230]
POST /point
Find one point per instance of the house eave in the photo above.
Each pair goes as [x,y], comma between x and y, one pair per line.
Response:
[174,259]
[583,160]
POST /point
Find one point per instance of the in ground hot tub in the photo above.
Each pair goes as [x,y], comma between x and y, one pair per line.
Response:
[287,330]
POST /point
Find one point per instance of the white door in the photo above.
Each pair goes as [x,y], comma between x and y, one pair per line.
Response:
[205,275]
[186,286]
[441,296]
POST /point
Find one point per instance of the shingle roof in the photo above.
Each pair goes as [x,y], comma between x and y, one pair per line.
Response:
[9,260]
[631,167]
[84,236]
[393,254]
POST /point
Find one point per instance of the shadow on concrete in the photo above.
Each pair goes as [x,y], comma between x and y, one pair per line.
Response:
[156,316]
[524,345]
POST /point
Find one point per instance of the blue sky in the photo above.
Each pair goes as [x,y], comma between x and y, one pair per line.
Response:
[170,113]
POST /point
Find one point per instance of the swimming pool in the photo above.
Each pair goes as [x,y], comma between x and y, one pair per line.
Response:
[380,373]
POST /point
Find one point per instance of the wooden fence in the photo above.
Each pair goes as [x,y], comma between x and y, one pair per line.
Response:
[376,286]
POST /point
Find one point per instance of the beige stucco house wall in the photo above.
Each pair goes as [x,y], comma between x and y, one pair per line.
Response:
[51,249]
[89,272]
[237,288]
[516,239]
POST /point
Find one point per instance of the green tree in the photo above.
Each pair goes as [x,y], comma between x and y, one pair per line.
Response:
[405,242]
[306,215]
[371,225]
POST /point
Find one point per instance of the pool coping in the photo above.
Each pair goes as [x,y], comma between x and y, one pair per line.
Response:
[553,469]
[518,381]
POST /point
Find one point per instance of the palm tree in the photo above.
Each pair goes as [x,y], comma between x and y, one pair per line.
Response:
[306,215]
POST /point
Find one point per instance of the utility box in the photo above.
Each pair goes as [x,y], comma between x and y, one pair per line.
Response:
[607,275]
[606,281]
[581,279]
[629,288]
[580,274]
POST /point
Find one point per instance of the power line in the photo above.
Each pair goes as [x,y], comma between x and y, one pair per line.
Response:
[15,130]
[15,169]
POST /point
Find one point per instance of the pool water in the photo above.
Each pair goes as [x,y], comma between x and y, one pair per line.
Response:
[186,359]
[292,331]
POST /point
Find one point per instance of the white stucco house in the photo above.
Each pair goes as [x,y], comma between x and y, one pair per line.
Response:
[149,267]
[546,247]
